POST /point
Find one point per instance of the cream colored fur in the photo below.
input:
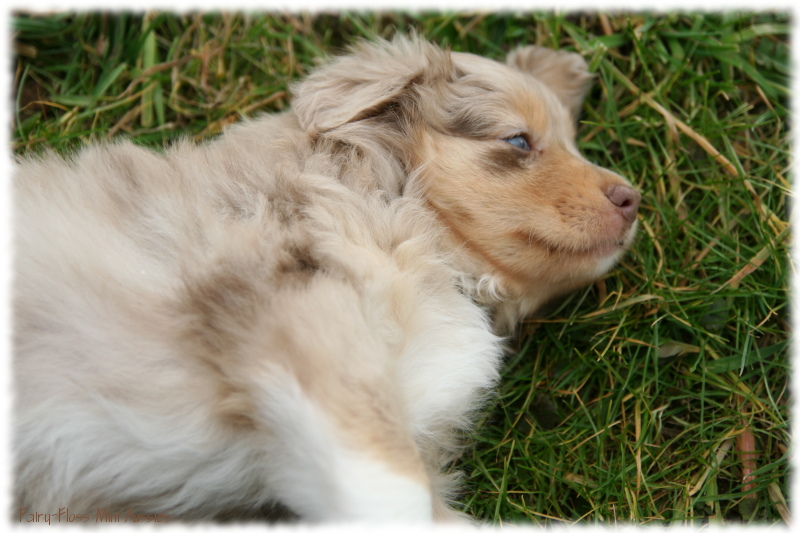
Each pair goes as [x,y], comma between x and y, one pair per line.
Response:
[305,311]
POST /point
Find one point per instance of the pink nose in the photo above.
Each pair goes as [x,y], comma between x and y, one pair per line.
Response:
[626,199]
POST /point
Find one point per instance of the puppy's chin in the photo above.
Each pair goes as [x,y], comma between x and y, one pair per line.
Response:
[532,272]
[605,256]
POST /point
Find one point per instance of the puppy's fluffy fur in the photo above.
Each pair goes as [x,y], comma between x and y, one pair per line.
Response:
[304,311]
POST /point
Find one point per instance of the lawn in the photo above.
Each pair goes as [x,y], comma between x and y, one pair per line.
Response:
[647,397]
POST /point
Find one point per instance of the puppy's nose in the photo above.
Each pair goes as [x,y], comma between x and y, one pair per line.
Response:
[626,199]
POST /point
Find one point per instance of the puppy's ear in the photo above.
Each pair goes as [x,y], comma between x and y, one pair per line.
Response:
[564,73]
[362,83]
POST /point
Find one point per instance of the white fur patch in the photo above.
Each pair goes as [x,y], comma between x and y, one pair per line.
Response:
[319,477]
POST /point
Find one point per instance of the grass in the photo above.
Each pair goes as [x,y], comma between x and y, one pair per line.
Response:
[643,398]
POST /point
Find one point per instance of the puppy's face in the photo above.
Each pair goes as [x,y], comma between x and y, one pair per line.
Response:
[492,148]
[500,166]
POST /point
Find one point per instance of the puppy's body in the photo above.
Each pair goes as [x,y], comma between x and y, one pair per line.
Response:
[300,311]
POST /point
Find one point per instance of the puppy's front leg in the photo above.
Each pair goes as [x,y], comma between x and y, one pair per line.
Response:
[341,441]
[325,475]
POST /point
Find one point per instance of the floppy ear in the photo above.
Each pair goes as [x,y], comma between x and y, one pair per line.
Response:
[564,73]
[366,81]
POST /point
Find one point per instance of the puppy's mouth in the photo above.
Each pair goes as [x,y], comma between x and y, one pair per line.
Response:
[600,250]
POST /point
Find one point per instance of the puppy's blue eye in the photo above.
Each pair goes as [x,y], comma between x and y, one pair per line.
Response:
[519,141]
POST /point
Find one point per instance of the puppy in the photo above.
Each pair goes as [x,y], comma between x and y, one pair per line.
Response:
[304,312]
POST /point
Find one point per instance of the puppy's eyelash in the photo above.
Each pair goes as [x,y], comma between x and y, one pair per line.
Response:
[520,141]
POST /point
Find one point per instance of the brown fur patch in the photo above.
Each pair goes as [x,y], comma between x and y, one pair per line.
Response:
[502,159]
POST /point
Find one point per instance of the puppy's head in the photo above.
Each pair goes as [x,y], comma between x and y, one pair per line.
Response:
[493,150]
